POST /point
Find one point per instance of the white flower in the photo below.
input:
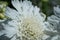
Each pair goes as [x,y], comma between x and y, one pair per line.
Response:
[27,19]
[53,24]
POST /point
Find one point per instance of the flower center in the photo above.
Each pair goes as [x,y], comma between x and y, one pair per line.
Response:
[31,29]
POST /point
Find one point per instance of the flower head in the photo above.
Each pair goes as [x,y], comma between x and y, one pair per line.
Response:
[30,22]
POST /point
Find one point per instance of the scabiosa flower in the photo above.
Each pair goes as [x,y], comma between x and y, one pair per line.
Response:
[27,21]
[53,23]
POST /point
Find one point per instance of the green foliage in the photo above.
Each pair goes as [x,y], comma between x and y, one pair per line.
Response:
[2,9]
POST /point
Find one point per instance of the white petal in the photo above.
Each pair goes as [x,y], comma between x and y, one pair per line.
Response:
[57,11]
[55,37]
[14,38]
[9,30]
[2,32]
[17,4]
[13,14]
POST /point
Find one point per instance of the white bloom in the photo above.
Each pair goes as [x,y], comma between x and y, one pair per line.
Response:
[27,20]
[54,20]
[53,24]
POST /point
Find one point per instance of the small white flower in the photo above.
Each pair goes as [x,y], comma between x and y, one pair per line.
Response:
[27,19]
